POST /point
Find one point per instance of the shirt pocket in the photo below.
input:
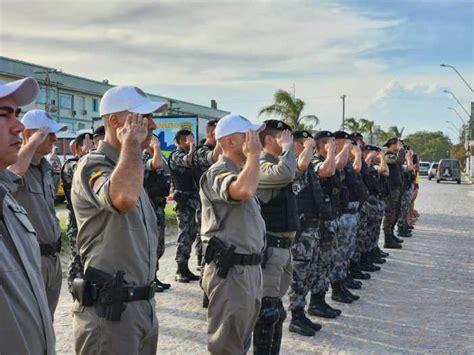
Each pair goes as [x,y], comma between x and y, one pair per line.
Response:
[34,187]
[22,217]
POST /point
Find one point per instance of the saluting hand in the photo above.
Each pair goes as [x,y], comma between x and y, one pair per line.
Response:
[309,143]
[251,146]
[38,137]
[88,145]
[356,150]
[285,138]
[331,146]
[135,129]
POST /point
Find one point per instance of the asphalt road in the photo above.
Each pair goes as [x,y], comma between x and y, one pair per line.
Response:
[420,302]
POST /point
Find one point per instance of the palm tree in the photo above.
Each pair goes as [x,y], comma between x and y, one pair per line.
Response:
[395,131]
[367,126]
[352,124]
[289,108]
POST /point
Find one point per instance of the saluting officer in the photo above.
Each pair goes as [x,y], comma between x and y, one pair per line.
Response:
[395,157]
[83,145]
[325,166]
[186,196]
[26,326]
[36,193]
[278,202]
[157,183]
[232,275]
[114,311]
[306,246]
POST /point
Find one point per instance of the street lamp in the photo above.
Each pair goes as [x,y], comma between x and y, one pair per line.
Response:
[459,102]
[452,124]
[459,74]
[454,131]
[343,98]
[457,113]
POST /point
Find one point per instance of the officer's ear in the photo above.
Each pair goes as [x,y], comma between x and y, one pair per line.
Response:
[114,121]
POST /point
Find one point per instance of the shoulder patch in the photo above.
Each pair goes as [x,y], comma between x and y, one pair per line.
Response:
[97,178]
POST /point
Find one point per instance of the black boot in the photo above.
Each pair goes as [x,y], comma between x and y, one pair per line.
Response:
[349,293]
[366,265]
[391,243]
[299,324]
[351,283]
[374,257]
[205,300]
[381,252]
[398,240]
[181,274]
[339,294]
[190,275]
[264,328]
[356,273]
[319,308]
[405,233]
[278,330]
[163,285]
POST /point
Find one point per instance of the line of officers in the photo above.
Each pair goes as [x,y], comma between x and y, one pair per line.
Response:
[279,210]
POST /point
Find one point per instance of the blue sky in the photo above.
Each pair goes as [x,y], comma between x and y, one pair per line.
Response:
[384,55]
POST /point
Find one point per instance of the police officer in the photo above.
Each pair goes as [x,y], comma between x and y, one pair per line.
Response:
[394,156]
[99,135]
[26,325]
[83,145]
[118,236]
[186,196]
[351,192]
[367,209]
[373,156]
[325,166]
[306,247]
[157,182]
[406,190]
[36,193]
[232,275]
[278,203]
[203,157]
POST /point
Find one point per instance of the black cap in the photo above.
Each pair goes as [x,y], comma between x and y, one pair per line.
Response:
[356,135]
[323,134]
[341,135]
[391,141]
[99,131]
[276,124]
[302,134]
[212,123]
[182,133]
[372,148]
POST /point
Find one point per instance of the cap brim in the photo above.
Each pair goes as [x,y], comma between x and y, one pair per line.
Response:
[23,91]
[150,107]
[56,127]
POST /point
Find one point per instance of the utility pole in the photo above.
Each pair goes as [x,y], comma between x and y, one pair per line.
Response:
[343,97]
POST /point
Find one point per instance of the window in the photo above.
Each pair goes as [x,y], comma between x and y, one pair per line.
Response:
[81,126]
[65,101]
[81,102]
[95,105]
[41,99]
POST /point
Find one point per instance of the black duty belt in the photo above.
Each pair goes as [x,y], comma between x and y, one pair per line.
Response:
[50,249]
[130,294]
[246,259]
[277,242]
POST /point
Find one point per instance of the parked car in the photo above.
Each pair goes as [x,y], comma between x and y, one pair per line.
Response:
[432,171]
[449,170]
[424,167]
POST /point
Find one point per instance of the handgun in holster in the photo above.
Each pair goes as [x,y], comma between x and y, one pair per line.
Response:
[218,252]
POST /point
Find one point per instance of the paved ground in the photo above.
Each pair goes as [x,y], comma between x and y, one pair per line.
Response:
[420,302]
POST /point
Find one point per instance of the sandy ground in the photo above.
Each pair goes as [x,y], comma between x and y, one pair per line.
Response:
[420,302]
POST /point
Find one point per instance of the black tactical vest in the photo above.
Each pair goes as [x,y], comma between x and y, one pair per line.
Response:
[372,180]
[309,193]
[280,213]
[353,182]
[198,170]
[183,182]
[157,185]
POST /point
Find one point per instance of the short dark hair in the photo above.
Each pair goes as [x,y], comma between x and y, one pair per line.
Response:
[267,132]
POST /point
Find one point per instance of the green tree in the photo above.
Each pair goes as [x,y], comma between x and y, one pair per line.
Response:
[289,109]
[431,146]
[367,126]
[351,124]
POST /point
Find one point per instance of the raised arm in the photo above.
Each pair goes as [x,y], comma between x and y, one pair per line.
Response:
[306,155]
[328,167]
[27,152]
[126,181]
[343,156]
[245,186]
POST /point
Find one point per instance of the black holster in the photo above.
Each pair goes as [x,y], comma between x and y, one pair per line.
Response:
[218,252]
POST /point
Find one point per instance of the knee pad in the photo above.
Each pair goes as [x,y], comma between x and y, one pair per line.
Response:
[269,312]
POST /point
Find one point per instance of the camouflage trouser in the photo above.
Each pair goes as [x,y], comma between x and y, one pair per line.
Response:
[305,252]
[325,259]
[187,229]
[160,219]
[375,222]
[367,211]
[75,269]
[198,246]
[346,241]
[392,210]
[405,204]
